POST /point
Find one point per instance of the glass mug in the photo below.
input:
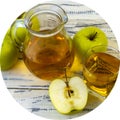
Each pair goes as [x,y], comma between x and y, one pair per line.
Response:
[47,49]
[101,68]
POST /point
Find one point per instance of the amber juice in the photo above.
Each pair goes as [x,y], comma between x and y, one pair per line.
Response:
[48,57]
[100,72]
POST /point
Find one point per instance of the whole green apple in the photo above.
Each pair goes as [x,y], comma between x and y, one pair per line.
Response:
[8,53]
[18,32]
[87,38]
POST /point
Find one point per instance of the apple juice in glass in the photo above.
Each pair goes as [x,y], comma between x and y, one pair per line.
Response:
[101,69]
[48,49]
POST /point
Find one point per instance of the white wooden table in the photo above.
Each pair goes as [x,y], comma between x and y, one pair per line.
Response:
[32,92]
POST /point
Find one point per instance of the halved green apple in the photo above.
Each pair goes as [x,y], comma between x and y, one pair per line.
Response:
[68,96]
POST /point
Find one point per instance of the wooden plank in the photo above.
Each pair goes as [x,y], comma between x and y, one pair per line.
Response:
[39,103]
[20,77]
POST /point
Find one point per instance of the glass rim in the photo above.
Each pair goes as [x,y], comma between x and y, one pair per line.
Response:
[46,7]
[107,46]
[107,49]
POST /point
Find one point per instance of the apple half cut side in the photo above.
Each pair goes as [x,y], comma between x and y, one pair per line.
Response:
[70,96]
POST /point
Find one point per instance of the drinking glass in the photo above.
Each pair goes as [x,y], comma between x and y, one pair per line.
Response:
[101,68]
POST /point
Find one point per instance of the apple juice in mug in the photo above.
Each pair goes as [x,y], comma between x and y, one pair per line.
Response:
[48,49]
[101,69]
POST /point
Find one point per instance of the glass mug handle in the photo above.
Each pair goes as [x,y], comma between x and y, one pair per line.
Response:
[18,34]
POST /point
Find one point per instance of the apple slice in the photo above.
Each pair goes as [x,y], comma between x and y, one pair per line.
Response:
[68,96]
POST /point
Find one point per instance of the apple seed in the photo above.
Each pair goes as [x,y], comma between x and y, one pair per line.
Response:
[68,92]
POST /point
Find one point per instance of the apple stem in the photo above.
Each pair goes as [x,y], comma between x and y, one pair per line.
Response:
[69,91]
[93,36]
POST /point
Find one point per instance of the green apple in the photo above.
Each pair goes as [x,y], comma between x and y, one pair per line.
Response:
[18,32]
[87,38]
[9,53]
[21,16]
[68,96]
[35,23]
